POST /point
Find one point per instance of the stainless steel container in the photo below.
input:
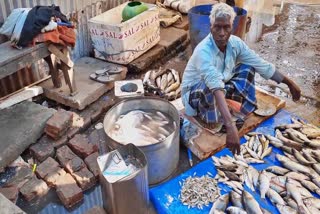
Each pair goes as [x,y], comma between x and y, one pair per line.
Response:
[162,157]
[130,194]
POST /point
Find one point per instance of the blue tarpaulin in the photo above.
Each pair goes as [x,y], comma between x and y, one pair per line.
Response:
[165,197]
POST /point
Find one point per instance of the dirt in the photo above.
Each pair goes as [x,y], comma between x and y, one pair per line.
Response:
[293,45]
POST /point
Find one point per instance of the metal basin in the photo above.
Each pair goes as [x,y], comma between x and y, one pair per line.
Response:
[162,157]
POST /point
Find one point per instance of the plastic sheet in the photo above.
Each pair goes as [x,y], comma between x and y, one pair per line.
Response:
[165,197]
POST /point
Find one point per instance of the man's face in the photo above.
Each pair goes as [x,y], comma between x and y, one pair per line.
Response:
[221,31]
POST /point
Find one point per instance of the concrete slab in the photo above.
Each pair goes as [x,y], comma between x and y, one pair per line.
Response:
[88,90]
[171,37]
[20,126]
[7,207]
[183,24]
[145,60]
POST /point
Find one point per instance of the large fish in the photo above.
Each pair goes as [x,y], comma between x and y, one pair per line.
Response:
[236,199]
[274,197]
[235,210]
[264,184]
[250,204]
[277,170]
[221,203]
[286,209]
[286,162]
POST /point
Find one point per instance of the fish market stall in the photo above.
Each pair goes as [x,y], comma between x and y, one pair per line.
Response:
[170,197]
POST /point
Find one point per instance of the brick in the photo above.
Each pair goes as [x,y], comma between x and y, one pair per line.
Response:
[72,132]
[79,144]
[10,193]
[85,179]
[58,124]
[68,191]
[55,143]
[22,175]
[34,188]
[46,167]
[70,161]
[96,210]
[86,117]
[52,178]
[92,164]
[42,150]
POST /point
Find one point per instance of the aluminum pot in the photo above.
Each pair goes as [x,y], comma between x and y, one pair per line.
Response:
[162,157]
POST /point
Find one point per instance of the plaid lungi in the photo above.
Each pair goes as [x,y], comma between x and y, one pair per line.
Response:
[240,88]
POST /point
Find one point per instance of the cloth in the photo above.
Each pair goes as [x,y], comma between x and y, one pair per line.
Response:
[167,16]
[62,35]
[209,64]
[240,88]
[38,17]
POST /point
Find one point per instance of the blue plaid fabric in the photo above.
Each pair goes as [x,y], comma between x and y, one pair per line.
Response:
[240,88]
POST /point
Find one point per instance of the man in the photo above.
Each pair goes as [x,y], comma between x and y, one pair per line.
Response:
[222,67]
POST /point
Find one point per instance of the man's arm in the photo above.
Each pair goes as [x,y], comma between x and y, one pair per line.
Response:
[293,87]
[232,140]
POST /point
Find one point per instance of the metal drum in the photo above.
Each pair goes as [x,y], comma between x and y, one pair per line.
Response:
[162,157]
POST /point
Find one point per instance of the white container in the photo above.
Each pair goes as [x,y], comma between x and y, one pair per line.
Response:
[122,42]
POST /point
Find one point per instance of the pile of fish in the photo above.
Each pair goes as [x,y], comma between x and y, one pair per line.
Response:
[256,148]
[142,128]
[241,204]
[165,82]
[199,191]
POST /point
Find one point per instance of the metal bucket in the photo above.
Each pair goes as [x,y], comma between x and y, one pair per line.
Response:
[199,23]
[162,157]
[130,193]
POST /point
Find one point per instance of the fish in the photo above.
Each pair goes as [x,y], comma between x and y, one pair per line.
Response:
[279,189]
[315,202]
[286,162]
[146,77]
[214,211]
[277,170]
[274,197]
[235,210]
[264,184]
[301,159]
[292,203]
[236,199]
[297,176]
[232,176]
[286,209]
[169,77]
[221,203]
[266,152]
[250,204]
[253,160]
[294,192]
[310,186]
[158,81]
[316,167]
[248,181]
[288,142]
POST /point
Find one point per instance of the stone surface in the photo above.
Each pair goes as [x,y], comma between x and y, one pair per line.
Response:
[92,164]
[52,178]
[10,193]
[88,90]
[34,188]
[70,161]
[22,175]
[85,179]
[46,167]
[79,144]
[7,207]
[96,210]
[55,143]
[147,59]
[42,150]
[58,124]
[171,37]
[68,191]
[20,126]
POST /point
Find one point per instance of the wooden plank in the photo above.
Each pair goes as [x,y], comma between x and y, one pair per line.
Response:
[206,144]
[26,94]
[60,55]
[21,61]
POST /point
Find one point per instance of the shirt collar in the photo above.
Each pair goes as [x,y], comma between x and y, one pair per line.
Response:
[215,47]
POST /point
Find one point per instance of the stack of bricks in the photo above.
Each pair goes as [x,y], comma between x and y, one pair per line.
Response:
[58,124]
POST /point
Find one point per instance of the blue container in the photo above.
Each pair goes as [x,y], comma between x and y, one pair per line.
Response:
[199,23]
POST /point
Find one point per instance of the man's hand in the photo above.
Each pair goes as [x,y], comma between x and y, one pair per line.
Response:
[232,140]
[295,91]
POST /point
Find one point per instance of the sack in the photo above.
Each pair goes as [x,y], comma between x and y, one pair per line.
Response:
[182,6]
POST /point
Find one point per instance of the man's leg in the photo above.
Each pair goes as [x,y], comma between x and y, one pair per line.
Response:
[202,100]
[241,88]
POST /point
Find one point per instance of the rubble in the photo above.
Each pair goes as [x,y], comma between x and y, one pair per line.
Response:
[46,167]
[92,164]
[58,124]
[68,191]
[34,188]
[42,150]
[70,161]
[79,144]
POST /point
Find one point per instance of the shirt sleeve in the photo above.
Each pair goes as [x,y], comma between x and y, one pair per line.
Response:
[209,73]
[249,57]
